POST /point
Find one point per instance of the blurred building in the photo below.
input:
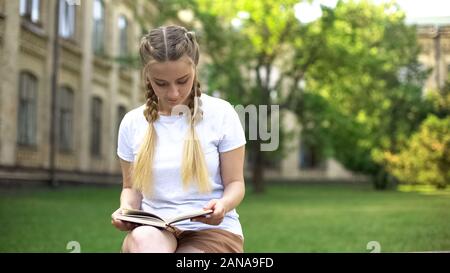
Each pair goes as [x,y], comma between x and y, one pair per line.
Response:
[434,38]
[94,89]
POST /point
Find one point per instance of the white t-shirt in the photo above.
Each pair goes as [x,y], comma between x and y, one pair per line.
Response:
[219,131]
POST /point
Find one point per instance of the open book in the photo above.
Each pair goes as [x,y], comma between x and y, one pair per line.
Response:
[146,218]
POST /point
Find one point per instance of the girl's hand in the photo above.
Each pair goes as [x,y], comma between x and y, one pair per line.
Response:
[216,217]
[121,225]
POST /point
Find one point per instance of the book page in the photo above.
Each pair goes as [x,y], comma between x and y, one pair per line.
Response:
[140,213]
[188,215]
[142,220]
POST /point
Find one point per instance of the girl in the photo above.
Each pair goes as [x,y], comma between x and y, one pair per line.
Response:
[181,151]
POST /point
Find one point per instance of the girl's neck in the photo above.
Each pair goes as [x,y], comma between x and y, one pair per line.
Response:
[166,111]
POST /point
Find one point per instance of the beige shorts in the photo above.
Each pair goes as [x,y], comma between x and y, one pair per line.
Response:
[209,240]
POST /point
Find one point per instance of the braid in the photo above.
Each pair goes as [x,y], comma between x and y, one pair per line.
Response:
[151,109]
[193,166]
[142,173]
[198,116]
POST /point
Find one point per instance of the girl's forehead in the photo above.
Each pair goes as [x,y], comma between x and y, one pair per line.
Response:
[171,69]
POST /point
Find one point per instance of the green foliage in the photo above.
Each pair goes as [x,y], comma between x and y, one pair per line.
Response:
[440,100]
[335,132]
[426,157]
[370,78]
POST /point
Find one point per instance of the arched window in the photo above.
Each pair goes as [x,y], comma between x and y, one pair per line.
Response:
[123,35]
[96,126]
[66,19]
[66,119]
[121,111]
[98,27]
[27,111]
[29,9]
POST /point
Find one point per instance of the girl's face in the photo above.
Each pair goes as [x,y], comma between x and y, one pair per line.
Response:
[172,82]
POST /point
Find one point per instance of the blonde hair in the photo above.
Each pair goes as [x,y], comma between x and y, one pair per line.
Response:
[160,45]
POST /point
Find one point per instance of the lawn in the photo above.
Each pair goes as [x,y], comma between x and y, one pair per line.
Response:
[287,218]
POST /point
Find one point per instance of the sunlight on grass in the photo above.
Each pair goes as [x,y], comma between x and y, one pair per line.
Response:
[424,189]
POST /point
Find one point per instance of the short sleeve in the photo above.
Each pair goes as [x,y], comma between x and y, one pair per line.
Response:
[232,133]
[124,148]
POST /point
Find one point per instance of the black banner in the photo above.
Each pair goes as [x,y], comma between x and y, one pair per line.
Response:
[247,262]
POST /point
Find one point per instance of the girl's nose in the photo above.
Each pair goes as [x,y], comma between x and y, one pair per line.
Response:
[173,92]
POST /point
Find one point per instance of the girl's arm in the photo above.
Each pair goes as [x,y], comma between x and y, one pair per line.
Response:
[232,172]
[129,198]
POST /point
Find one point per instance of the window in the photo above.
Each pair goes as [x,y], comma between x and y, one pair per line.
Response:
[309,156]
[66,19]
[121,111]
[123,36]
[96,126]
[29,9]
[66,119]
[448,72]
[99,27]
[28,85]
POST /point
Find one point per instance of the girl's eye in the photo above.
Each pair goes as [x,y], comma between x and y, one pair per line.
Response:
[164,84]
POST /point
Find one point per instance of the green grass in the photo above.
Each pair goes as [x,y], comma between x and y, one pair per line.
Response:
[287,218]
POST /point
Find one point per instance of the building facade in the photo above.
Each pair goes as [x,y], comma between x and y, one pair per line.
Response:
[434,39]
[94,90]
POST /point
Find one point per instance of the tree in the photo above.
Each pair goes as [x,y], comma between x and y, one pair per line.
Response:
[425,156]
[246,41]
[370,83]
[425,159]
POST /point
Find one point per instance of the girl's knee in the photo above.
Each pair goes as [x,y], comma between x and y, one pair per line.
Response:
[189,249]
[149,239]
